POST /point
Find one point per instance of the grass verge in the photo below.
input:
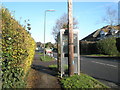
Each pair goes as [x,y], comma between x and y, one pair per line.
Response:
[53,67]
[41,53]
[102,55]
[81,81]
[47,58]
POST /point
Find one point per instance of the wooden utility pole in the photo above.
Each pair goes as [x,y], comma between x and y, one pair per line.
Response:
[70,40]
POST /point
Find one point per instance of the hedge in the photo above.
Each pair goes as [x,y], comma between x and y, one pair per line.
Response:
[88,48]
[17,52]
[108,46]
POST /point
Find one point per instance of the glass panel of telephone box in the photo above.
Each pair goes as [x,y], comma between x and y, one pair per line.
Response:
[64,52]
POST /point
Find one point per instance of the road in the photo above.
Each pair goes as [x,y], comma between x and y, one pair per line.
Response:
[103,69]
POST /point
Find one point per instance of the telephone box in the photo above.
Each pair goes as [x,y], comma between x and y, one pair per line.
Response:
[63,48]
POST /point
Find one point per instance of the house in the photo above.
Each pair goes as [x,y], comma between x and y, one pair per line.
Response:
[39,47]
[105,32]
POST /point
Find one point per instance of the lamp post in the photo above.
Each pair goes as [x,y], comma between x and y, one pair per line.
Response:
[45,27]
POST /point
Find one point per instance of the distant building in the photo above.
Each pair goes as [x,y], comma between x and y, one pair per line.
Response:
[39,47]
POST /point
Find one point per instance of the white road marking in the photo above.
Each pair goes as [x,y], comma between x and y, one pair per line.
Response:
[104,64]
[99,62]
[111,65]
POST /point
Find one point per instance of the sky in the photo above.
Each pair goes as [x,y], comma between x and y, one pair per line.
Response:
[88,15]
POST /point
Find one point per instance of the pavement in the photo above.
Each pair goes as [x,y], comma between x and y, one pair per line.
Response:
[104,69]
[41,76]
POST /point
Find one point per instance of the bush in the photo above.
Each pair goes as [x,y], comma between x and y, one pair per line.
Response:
[17,52]
[108,46]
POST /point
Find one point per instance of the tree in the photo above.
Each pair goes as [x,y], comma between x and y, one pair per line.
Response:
[49,44]
[111,16]
[61,23]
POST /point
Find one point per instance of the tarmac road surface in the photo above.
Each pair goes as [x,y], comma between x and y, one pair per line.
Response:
[102,68]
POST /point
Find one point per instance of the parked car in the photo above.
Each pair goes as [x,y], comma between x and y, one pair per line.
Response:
[48,50]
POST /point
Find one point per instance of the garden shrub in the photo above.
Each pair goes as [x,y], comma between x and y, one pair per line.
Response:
[107,46]
[17,51]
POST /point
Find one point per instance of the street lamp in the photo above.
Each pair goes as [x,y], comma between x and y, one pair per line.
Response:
[45,27]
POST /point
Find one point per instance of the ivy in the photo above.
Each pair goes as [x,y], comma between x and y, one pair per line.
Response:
[17,51]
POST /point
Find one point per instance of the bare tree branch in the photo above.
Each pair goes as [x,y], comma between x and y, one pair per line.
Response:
[62,22]
[111,17]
